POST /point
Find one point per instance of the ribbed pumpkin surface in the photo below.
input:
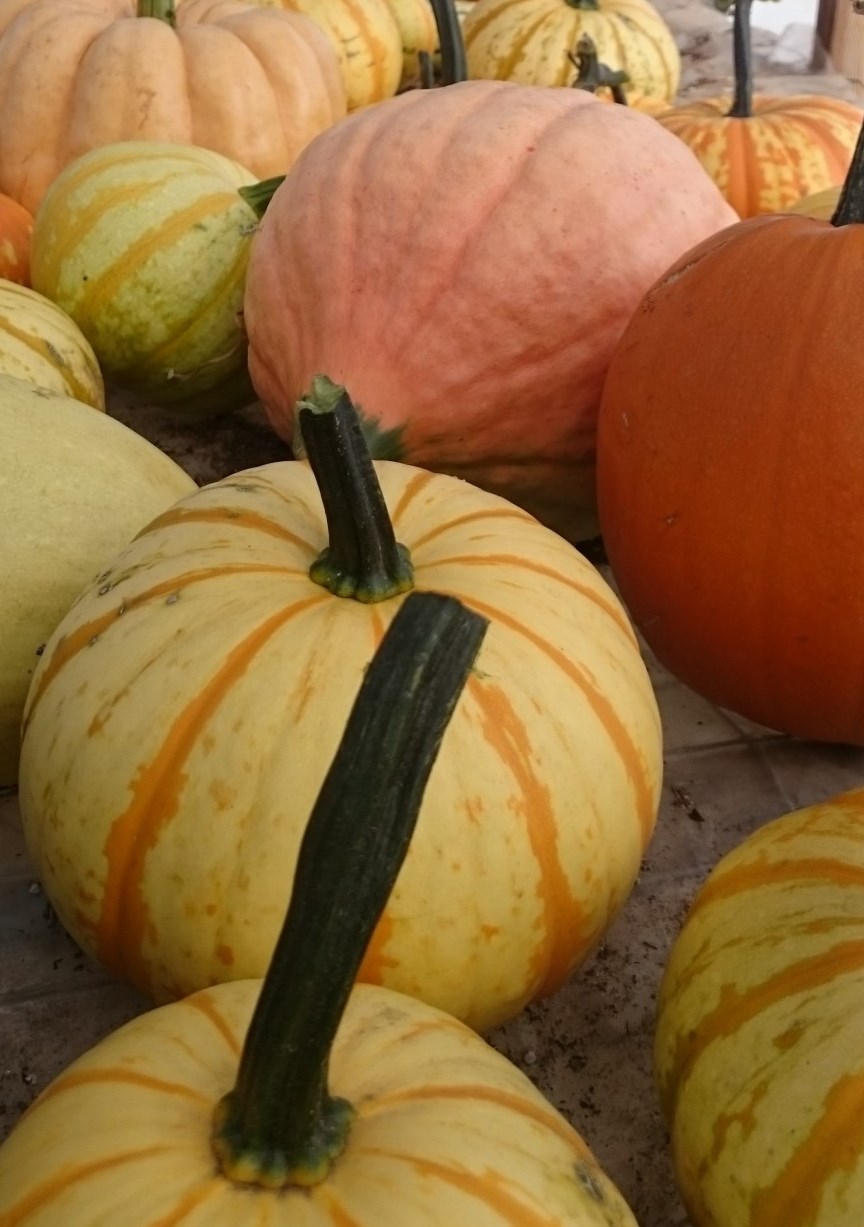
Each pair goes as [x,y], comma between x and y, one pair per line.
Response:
[40,343]
[528,41]
[253,84]
[184,715]
[760,1036]
[447,1131]
[764,163]
[145,245]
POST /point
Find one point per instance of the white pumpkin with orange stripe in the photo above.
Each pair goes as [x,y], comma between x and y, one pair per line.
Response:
[145,245]
[759,1047]
[182,717]
[40,343]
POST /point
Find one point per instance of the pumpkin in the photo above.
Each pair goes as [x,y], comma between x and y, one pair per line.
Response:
[145,245]
[459,363]
[418,33]
[75,488]
[730,455]
[253,84]
[766,151]
[300,1100]
[16,225]
[367,38]
[817,204]
[210,664]
[528,40]
[759,1046]
[42,345]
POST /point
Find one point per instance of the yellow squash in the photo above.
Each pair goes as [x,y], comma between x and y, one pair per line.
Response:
[759,1048]
[212,671]
[75,487]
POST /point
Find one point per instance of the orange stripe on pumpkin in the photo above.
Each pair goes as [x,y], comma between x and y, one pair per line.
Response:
[114,1075]
[204,1004]
[736,1008]
[833,1145]
[756,876]
[415,486]
[471,517]
[190,514]
[71,1174]
[156,796]
[192,1200]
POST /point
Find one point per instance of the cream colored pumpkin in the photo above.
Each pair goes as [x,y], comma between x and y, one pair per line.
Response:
[44,346]
[75,487]
[253,84]
[184,714]
[820,205]
[528,40]
[367,38]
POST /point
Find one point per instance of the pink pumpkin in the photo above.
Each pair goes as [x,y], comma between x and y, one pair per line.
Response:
[465,260]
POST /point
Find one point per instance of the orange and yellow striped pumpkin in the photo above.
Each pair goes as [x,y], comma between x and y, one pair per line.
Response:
[145,245]
[292,1102]
[528,40]
[253,84]
[760,1035]
[765,152]
[182,717]
[367,38]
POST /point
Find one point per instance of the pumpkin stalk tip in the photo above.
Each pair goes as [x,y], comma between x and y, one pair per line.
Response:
[280,1126]
[162,10]
[363,559]
[850,204]
[258,195]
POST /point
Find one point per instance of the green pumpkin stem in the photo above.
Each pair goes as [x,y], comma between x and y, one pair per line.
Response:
[258,195]
[162,10]
[591,75]
[427,70]
[280,1126]
[742,57]
[454,66]
[850,205]
[587,6]
[364,559]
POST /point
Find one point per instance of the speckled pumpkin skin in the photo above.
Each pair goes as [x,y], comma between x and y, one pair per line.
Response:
[145,245]
[446,1131]
[495,248]
[790,146]
[41,344]
[184,715]
[759,1048]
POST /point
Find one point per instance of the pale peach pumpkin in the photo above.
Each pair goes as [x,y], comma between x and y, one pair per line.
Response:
[465,260]
[253,84]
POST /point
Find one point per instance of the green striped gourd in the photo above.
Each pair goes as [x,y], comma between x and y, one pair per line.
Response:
[212,668]
[759,1047]
[42,345]
[145,244]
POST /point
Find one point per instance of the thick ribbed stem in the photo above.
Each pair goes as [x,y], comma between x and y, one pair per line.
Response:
[280,1126]
[850,206]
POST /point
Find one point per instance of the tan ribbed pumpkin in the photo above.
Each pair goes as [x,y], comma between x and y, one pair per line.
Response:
[759,1048]
[253,84]
[528,41]
[183,715]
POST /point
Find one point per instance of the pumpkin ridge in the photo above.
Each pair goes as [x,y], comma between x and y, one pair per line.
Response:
[253,521]
[470,517]
[135,832]
[759,874]
[204,1004]
[115,1074]
[600,705]
[40,1196]
[412,489]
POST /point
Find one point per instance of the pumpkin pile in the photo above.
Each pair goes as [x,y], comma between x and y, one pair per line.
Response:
[373,691]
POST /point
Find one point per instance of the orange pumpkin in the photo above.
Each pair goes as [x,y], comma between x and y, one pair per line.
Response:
[253,84]
[16,228]
[731,465]
[766,152]
[461,317]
